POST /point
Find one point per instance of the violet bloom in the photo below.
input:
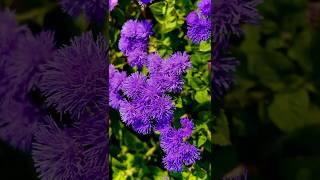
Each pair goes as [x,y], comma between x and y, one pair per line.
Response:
[77,76]
[112,4]
[223,78]
[135,36]
[10,36]
[199,27]
[116,79]
[95,10]
[31,54]
[228,15]
[144,2]
[57,155]
[178,151]
[18,122]
[92,133]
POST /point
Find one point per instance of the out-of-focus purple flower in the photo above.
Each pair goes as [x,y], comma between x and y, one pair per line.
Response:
[178,151]
[95,10]
[57,155]
[199,27]
[228,15]
[205,7]
[28,59]
[112,4]
[18,122]
[223,78]
[116,79]
[92,133]
[135,36]
[145,2]
[10,36]
[77,76]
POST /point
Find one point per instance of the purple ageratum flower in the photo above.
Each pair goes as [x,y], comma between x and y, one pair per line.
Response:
[135,36]
[223,78]
[166,75]
[228,15]
[18,122]
[77,76]
[178,151]
[57,155]
[112,4]
[199,27]
[137,58]
[95,10]
[205,7]
[116,79]
[144,2]
[92,133]
[27,62]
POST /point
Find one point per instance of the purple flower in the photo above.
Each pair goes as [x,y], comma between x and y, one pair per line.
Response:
[112,4]
[178,151]
[77,76]
[228,15]
[135,36]
[57,155]
[145,2]
[223,78]
[205,7]
[137,58]
[116,79]
[95,10]
[18,122]
[28,59]
[92,133]
[199,27]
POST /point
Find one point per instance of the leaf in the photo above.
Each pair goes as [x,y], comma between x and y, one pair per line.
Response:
[202,96]
[221,134]
[205,46]
[202,140]
[288,111]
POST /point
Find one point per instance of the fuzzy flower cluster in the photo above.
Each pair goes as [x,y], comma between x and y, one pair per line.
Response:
[142,98]
[145,2]
[73,79]
[178,151]
[95,10]
[134,41]
[199,22]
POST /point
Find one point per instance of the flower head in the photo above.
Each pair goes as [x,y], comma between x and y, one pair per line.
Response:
[116,79]
[199,27]
[19,121]
[145,2]
[57,155]
[112,4]
[77,76]
[178,151]
[95,10]
[223,78]
[205,7]
[135,36]
[32,53]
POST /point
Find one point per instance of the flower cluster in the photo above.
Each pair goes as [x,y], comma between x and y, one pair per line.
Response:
[178,151]
[95,10]
[134,41]
[73,79]
[145,2]
[199,22]
[142,98]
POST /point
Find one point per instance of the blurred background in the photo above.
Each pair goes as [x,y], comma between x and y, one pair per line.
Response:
[270,120]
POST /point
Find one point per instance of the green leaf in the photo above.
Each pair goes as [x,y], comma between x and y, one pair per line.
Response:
[288,111]
[202,96]
[221,134]
[202,140]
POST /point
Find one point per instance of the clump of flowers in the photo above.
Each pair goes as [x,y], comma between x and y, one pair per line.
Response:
[95,10]
[76,77]
[142,98]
